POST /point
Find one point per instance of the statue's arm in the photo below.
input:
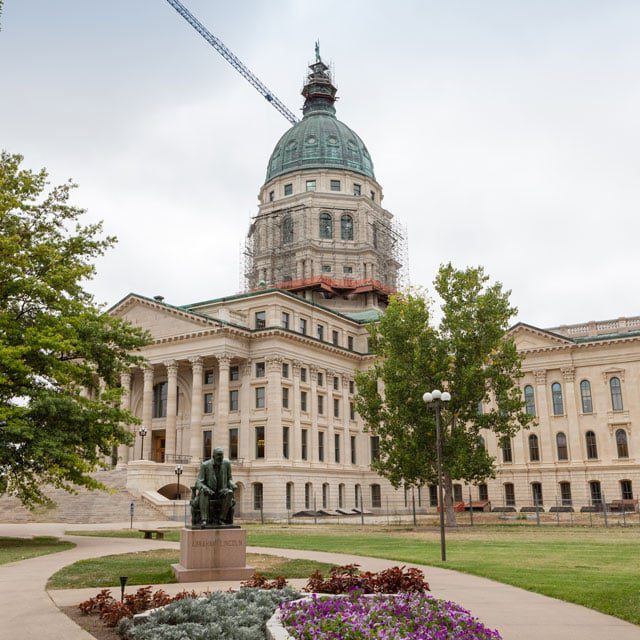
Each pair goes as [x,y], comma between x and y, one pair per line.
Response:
[230,483]
[200,480]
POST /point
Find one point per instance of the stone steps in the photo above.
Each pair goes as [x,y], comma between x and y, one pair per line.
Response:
[85,506]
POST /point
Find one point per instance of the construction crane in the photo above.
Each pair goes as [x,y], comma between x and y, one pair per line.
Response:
[233,60]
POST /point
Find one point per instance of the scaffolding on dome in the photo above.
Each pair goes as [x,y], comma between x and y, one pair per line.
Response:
[271,258]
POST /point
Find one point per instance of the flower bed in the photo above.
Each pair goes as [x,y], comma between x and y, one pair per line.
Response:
[407,616]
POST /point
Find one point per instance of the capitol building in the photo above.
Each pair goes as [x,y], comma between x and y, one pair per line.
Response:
[268,374]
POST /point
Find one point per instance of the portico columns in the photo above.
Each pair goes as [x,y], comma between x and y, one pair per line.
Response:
[172,410]
[195,444]
[222,415]
[147,407]
[125,400]
[313,442]
[273,430]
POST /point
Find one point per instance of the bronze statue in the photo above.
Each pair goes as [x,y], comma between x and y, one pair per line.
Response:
[212,498]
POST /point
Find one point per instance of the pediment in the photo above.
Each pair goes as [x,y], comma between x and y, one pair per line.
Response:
[159,319]
[529,337]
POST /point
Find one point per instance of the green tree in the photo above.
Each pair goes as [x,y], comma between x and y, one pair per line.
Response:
[465,352]
[60,354]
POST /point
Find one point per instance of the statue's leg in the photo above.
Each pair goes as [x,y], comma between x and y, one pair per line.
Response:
[204,507]
[225,505]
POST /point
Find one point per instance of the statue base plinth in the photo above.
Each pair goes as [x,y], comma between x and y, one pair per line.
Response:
[212,554]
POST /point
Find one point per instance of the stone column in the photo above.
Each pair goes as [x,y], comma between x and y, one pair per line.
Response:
[312,444]
[172,410]
[330,454]
[295,438]
[346,436]
[544,430]
[195,443]
[245,403]
[220,435]
[571,410]
[147,410]
[273,428]
[125,405]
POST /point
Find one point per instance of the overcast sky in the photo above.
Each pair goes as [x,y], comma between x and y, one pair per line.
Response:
[505,134]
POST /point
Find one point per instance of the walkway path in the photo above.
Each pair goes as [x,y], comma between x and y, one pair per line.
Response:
[28,612]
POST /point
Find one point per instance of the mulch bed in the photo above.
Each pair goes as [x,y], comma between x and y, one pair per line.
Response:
[91,624]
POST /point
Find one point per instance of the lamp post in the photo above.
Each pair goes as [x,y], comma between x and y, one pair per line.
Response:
[437,400]
[142,432]
[178,471]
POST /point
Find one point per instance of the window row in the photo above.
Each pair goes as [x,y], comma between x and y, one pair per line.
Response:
[586,400]
[564,497]
[311,186]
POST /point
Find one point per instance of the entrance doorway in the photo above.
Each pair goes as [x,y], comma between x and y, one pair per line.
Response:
[158,445]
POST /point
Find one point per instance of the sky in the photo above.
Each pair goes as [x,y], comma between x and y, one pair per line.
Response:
[504,134]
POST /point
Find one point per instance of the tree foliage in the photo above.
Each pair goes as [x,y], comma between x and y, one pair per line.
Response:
[57,346]
[466,353]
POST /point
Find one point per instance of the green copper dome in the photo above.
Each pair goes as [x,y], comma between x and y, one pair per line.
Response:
[319,140]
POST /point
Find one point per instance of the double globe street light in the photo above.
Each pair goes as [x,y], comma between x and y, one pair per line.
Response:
[142,432]
[437,399]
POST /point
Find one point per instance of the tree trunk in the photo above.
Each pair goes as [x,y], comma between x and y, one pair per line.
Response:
[448,501]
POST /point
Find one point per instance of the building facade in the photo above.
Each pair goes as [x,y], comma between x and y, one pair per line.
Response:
[269,374]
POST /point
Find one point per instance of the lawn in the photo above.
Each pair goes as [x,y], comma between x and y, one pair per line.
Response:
[154,567]
[594,567]
[14,549]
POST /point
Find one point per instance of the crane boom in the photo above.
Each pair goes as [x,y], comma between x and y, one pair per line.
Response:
[233,60]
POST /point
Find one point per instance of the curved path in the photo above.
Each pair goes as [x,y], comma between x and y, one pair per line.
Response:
[28,612]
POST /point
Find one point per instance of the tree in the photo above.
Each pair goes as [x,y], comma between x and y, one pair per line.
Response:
[60,354]
[466,353]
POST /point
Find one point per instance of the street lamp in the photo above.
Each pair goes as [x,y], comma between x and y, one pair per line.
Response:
[178,471]
[142,432]
[437,400]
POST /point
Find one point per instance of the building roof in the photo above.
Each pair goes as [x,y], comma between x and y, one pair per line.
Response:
[319,140]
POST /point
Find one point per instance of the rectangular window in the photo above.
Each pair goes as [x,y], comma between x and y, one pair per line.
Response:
[320,332]
[311,185]
[347,269]
[357,189]
[353,449]
[233,444]
[208,402]
[286,318]
[326,268]
[509,495]
[536,492]
[233,400]
[257,496]
[433,495]
[207,442]
[260,369]
[335,337]
[352,411]
[626,490]
[304,436]
[303,326]
[303,401]
[457,493]
[288,495]
[272,196]
[320,379]
[208,376]
[565,494]
[261,319]
[352,387]
[288,189]
[336,383]
[376,497]
[336,408]
[507,453]
[234,373]
[373,195]
[285,369]
[285,397]
[285,442]
[259,397]
[303,374]
[350,343]
[335,185]
[259,442]
[320,405]
[374,442]
[336,446]
[321,446]
[483,492]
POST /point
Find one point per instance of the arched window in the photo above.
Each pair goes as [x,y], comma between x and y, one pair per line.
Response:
[622,443]
[160,400]
[592,446]
[307,495]
[585,396]
[529,400]
[341,496]
[346,227]
[325,495]
[287,230]
[509,494]
[534,448]
[326,225]
[289,496]
[556,397]
[616,394]
[257,496]
[536,492]
[507,453]
[561,446]
[376,497]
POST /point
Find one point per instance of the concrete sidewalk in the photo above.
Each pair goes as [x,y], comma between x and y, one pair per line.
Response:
[28,612]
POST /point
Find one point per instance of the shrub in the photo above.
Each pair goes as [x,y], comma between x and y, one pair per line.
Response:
[258,581]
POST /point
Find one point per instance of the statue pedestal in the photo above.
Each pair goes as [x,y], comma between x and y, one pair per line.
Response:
[212,554]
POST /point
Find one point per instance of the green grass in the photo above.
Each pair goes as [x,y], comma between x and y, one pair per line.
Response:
[595,567]
[154,567]
[14,549]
